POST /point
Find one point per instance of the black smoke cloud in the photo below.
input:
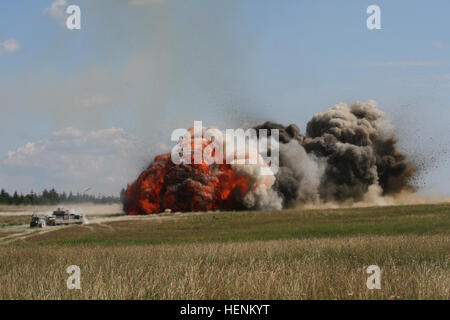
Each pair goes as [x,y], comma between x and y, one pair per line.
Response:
[346,152]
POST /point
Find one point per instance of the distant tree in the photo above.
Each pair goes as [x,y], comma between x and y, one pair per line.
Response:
[52,197]
[16,198]
[5,197]
[63,197]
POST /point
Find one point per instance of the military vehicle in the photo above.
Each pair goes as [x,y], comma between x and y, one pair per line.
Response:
[37,222]
[59,217]
[64,217]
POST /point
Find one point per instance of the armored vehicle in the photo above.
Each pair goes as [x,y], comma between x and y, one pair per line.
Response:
[37,222]
[64,217]
[57,218]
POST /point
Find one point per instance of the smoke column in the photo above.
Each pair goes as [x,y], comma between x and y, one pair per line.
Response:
[348,153]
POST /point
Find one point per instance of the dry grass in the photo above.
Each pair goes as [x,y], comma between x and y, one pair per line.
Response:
[293,254]
[414,267]
[7,221]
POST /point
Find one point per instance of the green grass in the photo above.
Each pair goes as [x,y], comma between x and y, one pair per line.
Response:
[256,226]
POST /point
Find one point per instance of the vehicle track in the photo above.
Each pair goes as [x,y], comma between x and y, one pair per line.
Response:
[24,231]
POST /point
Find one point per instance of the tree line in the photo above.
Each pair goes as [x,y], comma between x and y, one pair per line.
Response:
[52,197]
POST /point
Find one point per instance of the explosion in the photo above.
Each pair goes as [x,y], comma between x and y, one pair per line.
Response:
[348,152]
[200,185]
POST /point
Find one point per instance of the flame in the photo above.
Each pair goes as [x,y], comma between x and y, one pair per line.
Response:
[186,187]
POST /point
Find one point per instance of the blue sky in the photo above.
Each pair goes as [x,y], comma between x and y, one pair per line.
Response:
[145,67]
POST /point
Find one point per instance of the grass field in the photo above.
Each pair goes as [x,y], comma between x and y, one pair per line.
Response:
[292,254]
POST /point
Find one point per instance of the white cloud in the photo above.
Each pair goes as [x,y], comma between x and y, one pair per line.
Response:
[9,46]
[56,10]
[69,159]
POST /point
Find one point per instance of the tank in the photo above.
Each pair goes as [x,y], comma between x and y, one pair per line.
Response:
[58,217]
[64,217]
